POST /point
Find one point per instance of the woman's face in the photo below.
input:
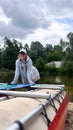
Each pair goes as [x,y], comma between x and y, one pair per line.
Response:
[22,56]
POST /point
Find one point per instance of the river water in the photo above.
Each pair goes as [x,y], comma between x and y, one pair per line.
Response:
[48,79]
[60,79]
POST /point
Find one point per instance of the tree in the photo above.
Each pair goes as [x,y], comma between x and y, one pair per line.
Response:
[70,38]
[26,47]
[47,54]
[10,53]
[40,64]
[58,53]
[67,67]
[48,48]
[36,48]
[69,48]
[63,44]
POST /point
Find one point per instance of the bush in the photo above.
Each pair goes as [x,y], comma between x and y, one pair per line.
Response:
[40,64]
[67,68]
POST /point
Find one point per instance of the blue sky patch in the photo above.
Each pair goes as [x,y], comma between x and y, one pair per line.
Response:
[65,20]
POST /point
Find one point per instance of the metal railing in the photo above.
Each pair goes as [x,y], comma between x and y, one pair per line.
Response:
[26,120]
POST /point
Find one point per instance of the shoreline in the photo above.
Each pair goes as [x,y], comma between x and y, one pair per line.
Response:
[69,119]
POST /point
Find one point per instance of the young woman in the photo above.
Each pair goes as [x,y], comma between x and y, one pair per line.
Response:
[24,67]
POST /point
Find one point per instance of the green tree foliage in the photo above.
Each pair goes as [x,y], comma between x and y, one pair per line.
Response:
[36,49]
[63,44]
[10,53]
[70,37]
[26,47]
[48,53]
[33,55]
[40,64]
[69,47]
[58,53]
[67,67]
[40,55]
[53,53]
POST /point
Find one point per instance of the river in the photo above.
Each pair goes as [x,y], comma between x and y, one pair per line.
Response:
[48,79]
[60,79]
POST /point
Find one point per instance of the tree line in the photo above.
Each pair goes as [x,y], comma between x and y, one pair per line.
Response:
[39,54]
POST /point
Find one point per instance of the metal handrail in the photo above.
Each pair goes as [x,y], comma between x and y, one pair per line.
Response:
[26,120]
[25,94]
[47,86]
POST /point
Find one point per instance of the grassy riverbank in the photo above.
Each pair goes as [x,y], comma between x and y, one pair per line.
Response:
[69,120]
[6,71]
[6,75]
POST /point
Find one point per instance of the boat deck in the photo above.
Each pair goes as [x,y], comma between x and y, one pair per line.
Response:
[15,108]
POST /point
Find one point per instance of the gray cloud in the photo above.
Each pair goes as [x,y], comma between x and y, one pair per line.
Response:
[60,8]
[26,16]
[29,15]
[13,31]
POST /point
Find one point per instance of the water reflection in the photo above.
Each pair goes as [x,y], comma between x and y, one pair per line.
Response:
[48,79]
[54,79]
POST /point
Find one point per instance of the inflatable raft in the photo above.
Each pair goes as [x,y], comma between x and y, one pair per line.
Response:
[44,108]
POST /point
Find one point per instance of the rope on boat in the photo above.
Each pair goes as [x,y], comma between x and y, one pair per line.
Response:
[45,115]
[53,105]
[57,98]
[61,96]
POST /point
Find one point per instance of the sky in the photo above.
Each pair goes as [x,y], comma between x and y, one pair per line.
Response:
[46,21]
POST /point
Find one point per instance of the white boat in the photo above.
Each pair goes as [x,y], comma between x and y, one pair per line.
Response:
[44,108]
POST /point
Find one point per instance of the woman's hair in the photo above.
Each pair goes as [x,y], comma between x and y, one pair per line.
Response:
[20,58]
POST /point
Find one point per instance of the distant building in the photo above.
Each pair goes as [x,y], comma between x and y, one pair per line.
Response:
[56,63]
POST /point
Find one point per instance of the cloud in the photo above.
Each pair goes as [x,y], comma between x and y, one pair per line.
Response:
[42,20]
[52,35]
[26,14]
[60,8]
